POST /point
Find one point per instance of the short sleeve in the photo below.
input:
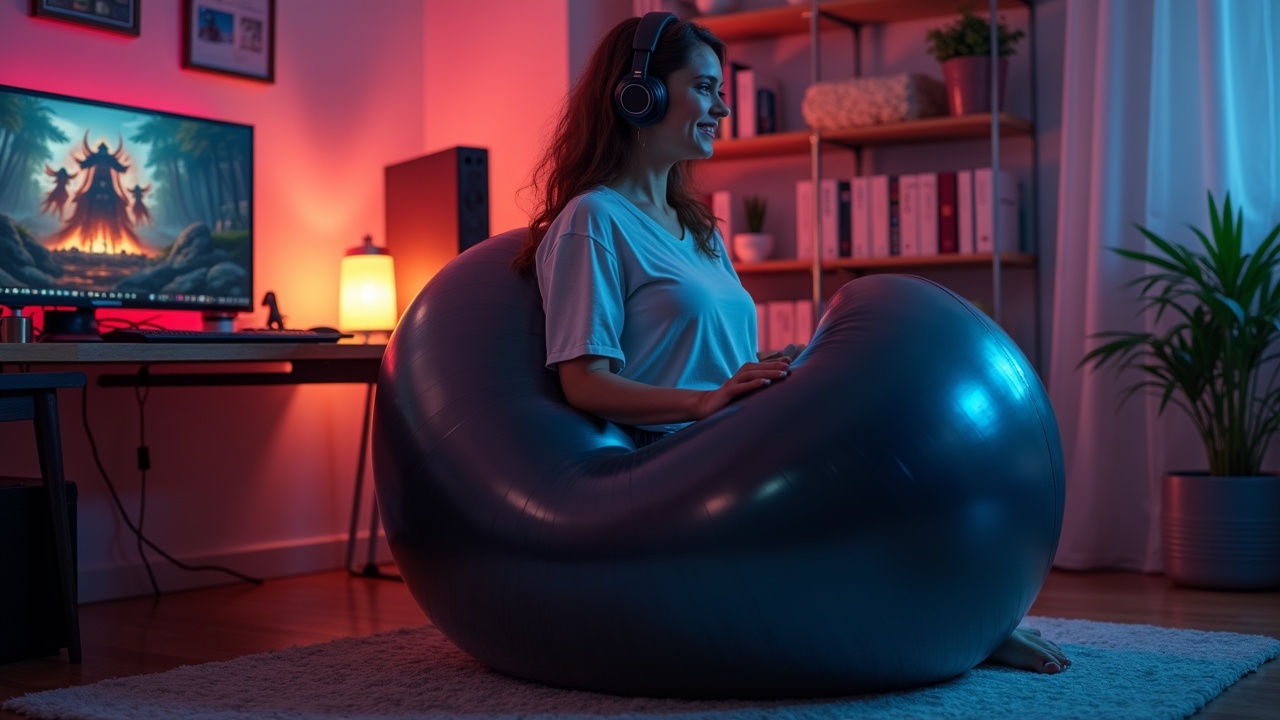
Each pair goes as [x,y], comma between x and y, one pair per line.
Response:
[582,296]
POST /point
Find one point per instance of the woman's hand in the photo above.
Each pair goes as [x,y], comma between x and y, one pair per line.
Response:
[749,377]
[789,352]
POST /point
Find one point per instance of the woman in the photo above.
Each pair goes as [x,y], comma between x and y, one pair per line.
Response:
[647,323]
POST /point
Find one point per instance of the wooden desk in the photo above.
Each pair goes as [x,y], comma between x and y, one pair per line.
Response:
[274,363]
[195,364]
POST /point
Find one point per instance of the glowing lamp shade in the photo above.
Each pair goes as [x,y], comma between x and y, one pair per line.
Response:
[367,290]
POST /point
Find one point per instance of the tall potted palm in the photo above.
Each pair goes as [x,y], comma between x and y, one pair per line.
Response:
[1214,356]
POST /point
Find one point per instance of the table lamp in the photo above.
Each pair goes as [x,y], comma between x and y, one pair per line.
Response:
[367,290]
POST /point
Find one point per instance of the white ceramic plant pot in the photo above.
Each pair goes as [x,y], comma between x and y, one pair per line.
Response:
[752,247]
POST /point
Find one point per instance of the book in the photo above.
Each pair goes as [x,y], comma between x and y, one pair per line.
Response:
[927,204]
[782,324]
[762,326]
[948,243]
[860,216]
[804,219]
[986,215]
[747,82]
[879,216]
[803,322]
[731,99]
[833,217]
[767,104]
[895,217]
[722,207]
[908,215]
[964,212]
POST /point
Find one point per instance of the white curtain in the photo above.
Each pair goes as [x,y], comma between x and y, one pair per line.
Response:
[1163,102]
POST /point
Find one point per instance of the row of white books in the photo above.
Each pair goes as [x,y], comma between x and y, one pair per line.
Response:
[920,214]
[780,323]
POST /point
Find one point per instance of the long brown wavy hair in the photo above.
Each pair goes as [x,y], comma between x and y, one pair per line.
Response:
[592,144]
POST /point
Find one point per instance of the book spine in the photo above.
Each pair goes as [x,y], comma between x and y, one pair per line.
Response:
[895,218]
[928,211]
[803,322]
[948,243]
[844,221]
[722,208]
[746,110]
[834,207]
[909,215]
[762,326]
[860,216]
[804,220]
[964,211]
[782,323]
[731,98]
[879,216]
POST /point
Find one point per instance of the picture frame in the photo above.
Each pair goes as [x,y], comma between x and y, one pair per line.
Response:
[122,16]
[231,37]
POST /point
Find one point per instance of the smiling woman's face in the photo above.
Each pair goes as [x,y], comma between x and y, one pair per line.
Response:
[695,104]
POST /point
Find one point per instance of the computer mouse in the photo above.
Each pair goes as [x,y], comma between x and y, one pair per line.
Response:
[323,329]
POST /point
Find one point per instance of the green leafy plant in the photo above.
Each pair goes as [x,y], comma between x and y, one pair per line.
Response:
[1211,357]
[970,35]
[756,207]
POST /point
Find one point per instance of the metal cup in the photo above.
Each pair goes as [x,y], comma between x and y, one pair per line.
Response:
[15,329]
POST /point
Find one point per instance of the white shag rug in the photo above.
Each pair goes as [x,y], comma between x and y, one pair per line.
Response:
[1118,671]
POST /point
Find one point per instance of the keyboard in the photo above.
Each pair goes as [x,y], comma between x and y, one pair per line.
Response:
[135,335]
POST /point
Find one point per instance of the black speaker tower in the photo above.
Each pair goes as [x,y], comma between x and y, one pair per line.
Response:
[437,206]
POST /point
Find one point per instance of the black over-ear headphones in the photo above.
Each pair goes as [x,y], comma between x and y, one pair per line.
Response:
[642,100]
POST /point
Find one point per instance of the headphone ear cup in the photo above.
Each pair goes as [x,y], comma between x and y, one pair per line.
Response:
[641,101]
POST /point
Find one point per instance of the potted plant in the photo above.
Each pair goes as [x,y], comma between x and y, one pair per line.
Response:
[1214,356]
[964,49]
[754,245]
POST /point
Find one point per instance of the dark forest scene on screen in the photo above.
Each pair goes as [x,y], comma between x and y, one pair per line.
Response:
[110,205]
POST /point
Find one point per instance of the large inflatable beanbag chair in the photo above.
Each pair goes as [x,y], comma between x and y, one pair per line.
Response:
[880,519]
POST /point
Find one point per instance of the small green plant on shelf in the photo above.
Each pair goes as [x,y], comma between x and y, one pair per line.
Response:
[970,35]
[756,207]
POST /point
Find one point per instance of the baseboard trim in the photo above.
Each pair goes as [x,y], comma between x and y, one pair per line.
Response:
[268,561]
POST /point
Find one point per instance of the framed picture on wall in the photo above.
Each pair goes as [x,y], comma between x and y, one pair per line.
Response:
[118,15]
[233,37]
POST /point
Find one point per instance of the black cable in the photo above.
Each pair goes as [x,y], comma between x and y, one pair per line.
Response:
[93,447]
[141,392]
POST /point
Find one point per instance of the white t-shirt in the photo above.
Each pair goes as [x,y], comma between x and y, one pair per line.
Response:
[616,284]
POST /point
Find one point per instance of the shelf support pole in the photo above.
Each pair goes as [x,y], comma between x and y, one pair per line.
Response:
[815,157]
[997,232]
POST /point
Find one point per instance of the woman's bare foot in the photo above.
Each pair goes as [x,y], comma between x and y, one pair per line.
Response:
[1026,650]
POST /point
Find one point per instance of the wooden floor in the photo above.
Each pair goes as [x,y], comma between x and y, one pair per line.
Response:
[129,637]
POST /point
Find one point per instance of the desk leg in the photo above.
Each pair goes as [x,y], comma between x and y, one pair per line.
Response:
[49,449]
[370,570]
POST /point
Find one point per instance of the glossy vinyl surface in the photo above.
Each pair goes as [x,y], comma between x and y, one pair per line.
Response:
[882,518]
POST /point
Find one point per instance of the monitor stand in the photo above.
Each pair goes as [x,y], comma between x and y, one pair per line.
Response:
[77,325]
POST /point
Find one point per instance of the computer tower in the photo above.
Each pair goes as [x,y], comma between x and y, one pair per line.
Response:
[437,206]
[31,621]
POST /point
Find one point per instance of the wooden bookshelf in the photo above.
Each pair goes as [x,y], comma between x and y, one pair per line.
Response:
[794,19]
[938,129]
[886,263]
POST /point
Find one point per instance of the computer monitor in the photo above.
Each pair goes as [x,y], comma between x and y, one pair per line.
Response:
[105,205]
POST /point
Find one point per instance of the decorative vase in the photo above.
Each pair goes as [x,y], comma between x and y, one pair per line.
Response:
[968,80]
[752,246]
[1221,533]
